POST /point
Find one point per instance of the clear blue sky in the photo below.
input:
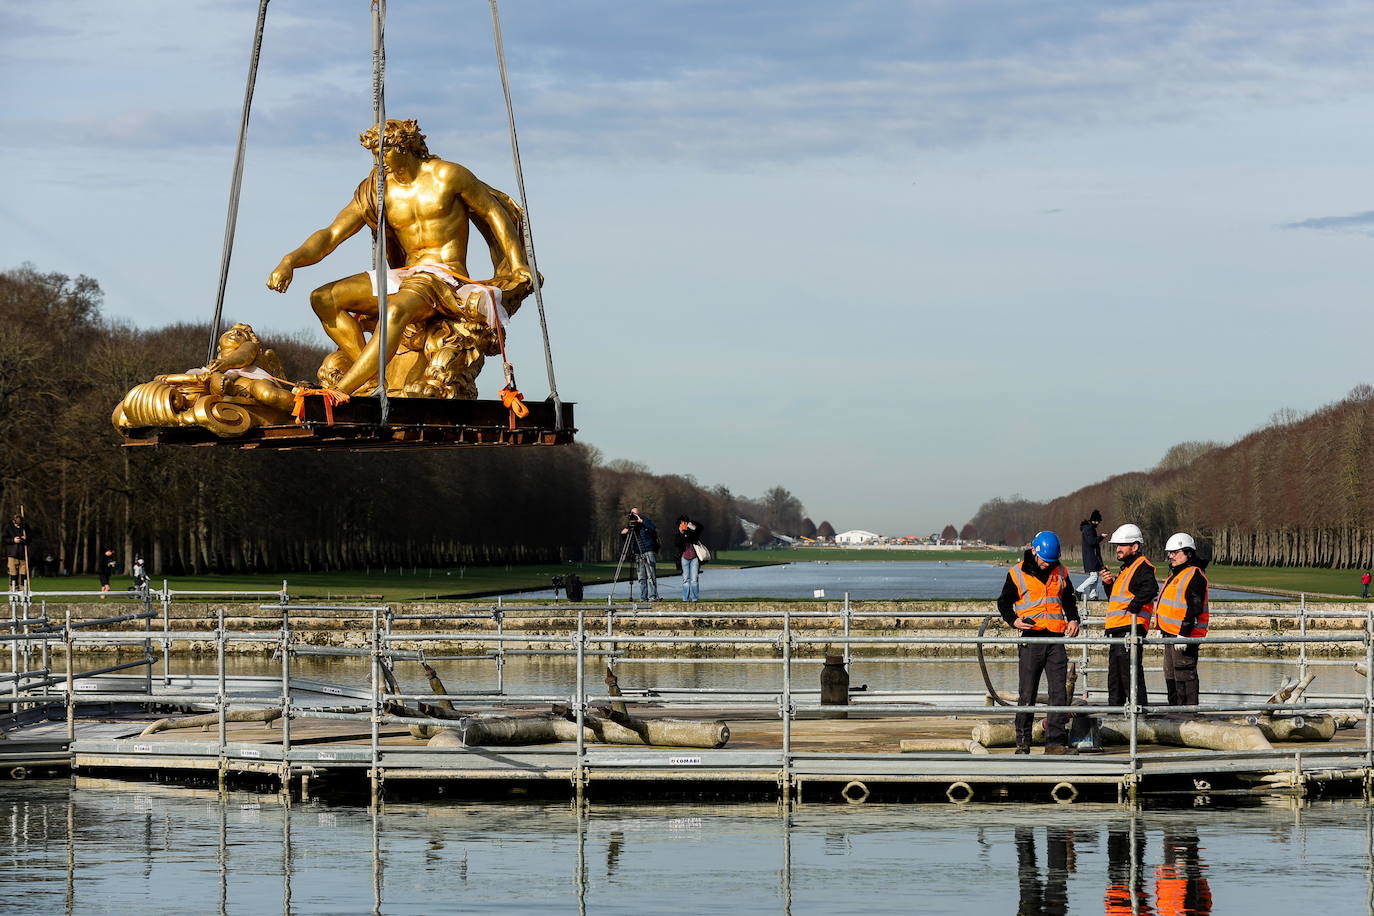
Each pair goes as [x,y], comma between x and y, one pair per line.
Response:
[899,257]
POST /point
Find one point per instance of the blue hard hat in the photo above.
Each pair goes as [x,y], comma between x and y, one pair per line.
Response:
[1046,546]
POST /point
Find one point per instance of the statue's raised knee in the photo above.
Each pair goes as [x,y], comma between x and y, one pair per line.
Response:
[322,301]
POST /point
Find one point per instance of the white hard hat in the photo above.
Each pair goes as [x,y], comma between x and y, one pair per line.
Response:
[1181,541]
[1128,534]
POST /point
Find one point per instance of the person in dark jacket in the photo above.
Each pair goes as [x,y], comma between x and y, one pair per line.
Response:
[17,536]
[1130,607]
[1092,555]
[1038,600]
[688,536]
[1182,611]
[106,566]
[644,542]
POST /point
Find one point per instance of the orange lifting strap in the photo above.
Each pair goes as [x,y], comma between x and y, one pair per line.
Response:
[331,397]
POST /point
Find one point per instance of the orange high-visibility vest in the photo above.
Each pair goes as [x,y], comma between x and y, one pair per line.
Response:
[1039,601]
[1173,604]
[1121,599]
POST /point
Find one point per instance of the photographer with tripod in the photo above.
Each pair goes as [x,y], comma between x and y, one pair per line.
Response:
[642,538]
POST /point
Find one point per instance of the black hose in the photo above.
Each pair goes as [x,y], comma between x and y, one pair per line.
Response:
[983,666]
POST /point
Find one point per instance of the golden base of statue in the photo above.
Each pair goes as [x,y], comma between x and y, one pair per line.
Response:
[242,387]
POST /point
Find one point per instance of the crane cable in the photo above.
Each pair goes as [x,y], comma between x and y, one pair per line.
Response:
[527,234]
[236,185]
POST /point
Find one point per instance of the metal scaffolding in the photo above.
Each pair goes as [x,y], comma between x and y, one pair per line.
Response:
[792,638]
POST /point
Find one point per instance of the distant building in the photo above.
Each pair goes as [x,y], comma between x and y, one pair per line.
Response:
[857,537]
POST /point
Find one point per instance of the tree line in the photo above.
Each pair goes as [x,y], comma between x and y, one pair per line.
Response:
[63,368]
[1297,492]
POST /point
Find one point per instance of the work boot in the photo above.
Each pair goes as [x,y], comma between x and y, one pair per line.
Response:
[1056,749]
[1022,749]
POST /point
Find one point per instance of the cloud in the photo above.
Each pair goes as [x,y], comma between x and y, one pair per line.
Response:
[708,81]
[1361,223]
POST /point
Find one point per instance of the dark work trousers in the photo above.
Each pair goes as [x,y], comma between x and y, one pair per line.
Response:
[1051,658]
[1119,668]
[1180,674]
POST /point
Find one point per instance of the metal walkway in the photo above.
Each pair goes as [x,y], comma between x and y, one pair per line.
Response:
[350,737]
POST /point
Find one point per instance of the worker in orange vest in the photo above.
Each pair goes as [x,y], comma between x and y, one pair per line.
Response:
[1038,599]
[1129,608]
[1182,611]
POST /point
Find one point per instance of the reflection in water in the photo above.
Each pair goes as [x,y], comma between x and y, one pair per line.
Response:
[1050,897]
[122,847]
[613,847]
[1126,894]
[1181,887]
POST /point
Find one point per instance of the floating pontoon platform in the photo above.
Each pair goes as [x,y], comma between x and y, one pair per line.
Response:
[330,745]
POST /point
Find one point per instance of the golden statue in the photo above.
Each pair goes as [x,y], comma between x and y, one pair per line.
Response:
[243,386]
[440,323]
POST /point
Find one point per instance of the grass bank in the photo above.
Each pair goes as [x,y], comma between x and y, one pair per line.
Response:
[409,584]
[1343,583]
[418,583]
[392,584]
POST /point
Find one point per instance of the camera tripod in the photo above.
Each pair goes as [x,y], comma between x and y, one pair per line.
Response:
[628,550]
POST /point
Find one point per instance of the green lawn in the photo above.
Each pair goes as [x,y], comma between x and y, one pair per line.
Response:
[1289,578]
[474,581]
[392,585]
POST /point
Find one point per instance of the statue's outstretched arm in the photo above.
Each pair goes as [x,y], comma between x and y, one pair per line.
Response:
[317,246]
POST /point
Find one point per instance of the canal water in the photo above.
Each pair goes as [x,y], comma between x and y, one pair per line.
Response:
[103,848]
[1223,679]
[880,581]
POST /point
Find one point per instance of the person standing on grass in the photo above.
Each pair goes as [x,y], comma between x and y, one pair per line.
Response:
[688,537]
[106,567]
[1364,581]
[17,552]
[644,542]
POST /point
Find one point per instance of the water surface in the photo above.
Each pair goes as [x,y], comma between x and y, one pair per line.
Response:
[127,848]
[877,581]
